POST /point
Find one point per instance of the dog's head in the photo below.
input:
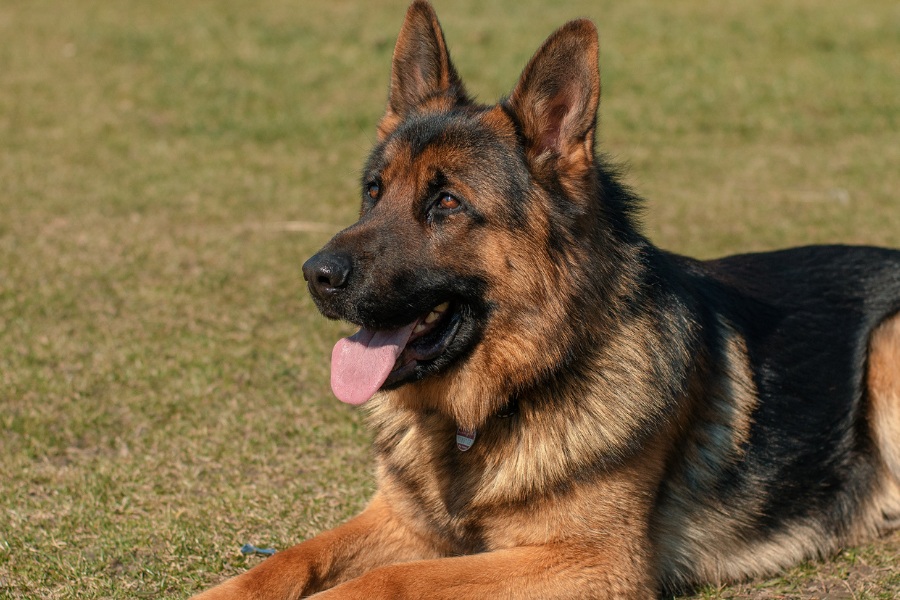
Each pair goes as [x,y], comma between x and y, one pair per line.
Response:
[466,255]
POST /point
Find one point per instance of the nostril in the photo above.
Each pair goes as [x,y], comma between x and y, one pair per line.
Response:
[329,277]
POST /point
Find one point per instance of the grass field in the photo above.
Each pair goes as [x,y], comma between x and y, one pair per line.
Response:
[165,168]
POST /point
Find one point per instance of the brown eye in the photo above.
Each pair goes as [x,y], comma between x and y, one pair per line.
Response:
[448,202]
[373,190]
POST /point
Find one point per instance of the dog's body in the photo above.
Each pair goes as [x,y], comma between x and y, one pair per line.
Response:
[567,411]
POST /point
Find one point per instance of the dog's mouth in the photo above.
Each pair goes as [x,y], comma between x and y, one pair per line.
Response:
[371,359]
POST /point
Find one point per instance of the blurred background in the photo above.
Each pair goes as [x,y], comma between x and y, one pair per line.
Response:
[166,167]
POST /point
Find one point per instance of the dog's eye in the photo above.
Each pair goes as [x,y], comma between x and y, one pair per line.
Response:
[448,202]
[373,190]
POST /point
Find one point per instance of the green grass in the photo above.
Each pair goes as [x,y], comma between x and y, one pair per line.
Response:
[166,167]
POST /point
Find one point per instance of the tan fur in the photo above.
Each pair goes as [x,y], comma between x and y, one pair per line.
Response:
[883,379]
[884,390]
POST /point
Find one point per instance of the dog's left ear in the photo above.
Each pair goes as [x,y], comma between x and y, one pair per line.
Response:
[422,76]
[557,96]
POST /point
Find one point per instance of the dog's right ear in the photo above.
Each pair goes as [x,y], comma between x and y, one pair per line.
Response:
[422,76]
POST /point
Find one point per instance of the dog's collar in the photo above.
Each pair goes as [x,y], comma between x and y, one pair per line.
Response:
[466,437]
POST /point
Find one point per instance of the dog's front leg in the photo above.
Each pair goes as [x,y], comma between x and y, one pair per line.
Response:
[558,571]
[371,539]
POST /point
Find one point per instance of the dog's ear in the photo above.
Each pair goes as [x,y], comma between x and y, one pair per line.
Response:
[422,76]
[557,96]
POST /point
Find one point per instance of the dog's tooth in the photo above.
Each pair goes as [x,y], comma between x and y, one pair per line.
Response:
[432,317]
[442,307]
[419,328]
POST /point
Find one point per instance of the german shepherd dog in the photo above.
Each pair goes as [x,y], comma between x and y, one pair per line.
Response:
[561,409]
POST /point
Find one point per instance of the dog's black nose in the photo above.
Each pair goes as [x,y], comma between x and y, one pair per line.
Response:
[327,272]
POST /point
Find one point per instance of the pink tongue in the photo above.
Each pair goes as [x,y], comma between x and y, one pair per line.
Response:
[361,363]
